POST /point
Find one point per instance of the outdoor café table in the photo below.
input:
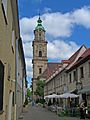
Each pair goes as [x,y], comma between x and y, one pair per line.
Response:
[59,109]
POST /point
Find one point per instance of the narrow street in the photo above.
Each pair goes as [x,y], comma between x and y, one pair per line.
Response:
[39,113]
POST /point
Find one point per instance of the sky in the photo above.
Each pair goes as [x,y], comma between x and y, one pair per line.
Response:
[67,25]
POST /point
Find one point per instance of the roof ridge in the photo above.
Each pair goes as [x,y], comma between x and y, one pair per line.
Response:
[77,51]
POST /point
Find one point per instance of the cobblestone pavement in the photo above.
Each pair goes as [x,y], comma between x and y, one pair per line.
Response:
[39,113]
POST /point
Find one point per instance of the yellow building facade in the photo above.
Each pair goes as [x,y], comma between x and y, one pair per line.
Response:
[9,33]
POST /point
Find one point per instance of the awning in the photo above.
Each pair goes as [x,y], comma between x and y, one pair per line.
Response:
[51,96]
[67,95]
[85,89]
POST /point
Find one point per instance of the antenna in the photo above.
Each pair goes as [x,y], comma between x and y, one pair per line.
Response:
[39,14]
[39,7]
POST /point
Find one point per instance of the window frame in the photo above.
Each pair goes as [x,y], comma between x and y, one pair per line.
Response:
[4,9]
[82,72]
[40,53]
[74,76]
[70,78]
[89,68]
[40,70]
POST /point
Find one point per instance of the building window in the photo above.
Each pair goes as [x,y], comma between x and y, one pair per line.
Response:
[4,9]
[70,80]
[64,79]
[61,80]
[9,71]
[40,70]
[81,72]
[13,99]
[40,53]
[5,5]
[89,68]
[13,40]
[74,76]
[1,85]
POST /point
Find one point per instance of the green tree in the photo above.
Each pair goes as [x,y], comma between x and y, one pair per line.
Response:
[40,88]
[28,93]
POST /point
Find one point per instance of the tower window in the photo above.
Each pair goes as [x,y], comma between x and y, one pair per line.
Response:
[40,53]
[40,70]
[39,34]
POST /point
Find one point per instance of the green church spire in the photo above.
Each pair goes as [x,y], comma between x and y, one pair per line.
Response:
[39,24]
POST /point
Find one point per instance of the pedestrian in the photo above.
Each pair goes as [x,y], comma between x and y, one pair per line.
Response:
[33,103]
[82,110]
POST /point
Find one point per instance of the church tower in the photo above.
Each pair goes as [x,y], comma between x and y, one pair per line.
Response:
[39,54]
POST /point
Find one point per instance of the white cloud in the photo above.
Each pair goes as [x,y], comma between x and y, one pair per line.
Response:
[27,25]
[29,66]
[57,25]
[61,49]
[28,62]
[28,49]
[82,16]
[26,37]
[46,10]
[29,73]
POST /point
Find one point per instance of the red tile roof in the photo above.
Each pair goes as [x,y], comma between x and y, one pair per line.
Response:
[86,53]
[51,68]
[72,58]
[81,59]
[65,61]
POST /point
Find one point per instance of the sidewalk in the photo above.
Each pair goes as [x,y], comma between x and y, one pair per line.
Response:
[39,113]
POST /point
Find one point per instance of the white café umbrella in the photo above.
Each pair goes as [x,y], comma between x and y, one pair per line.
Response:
[51,96]
[67,95]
